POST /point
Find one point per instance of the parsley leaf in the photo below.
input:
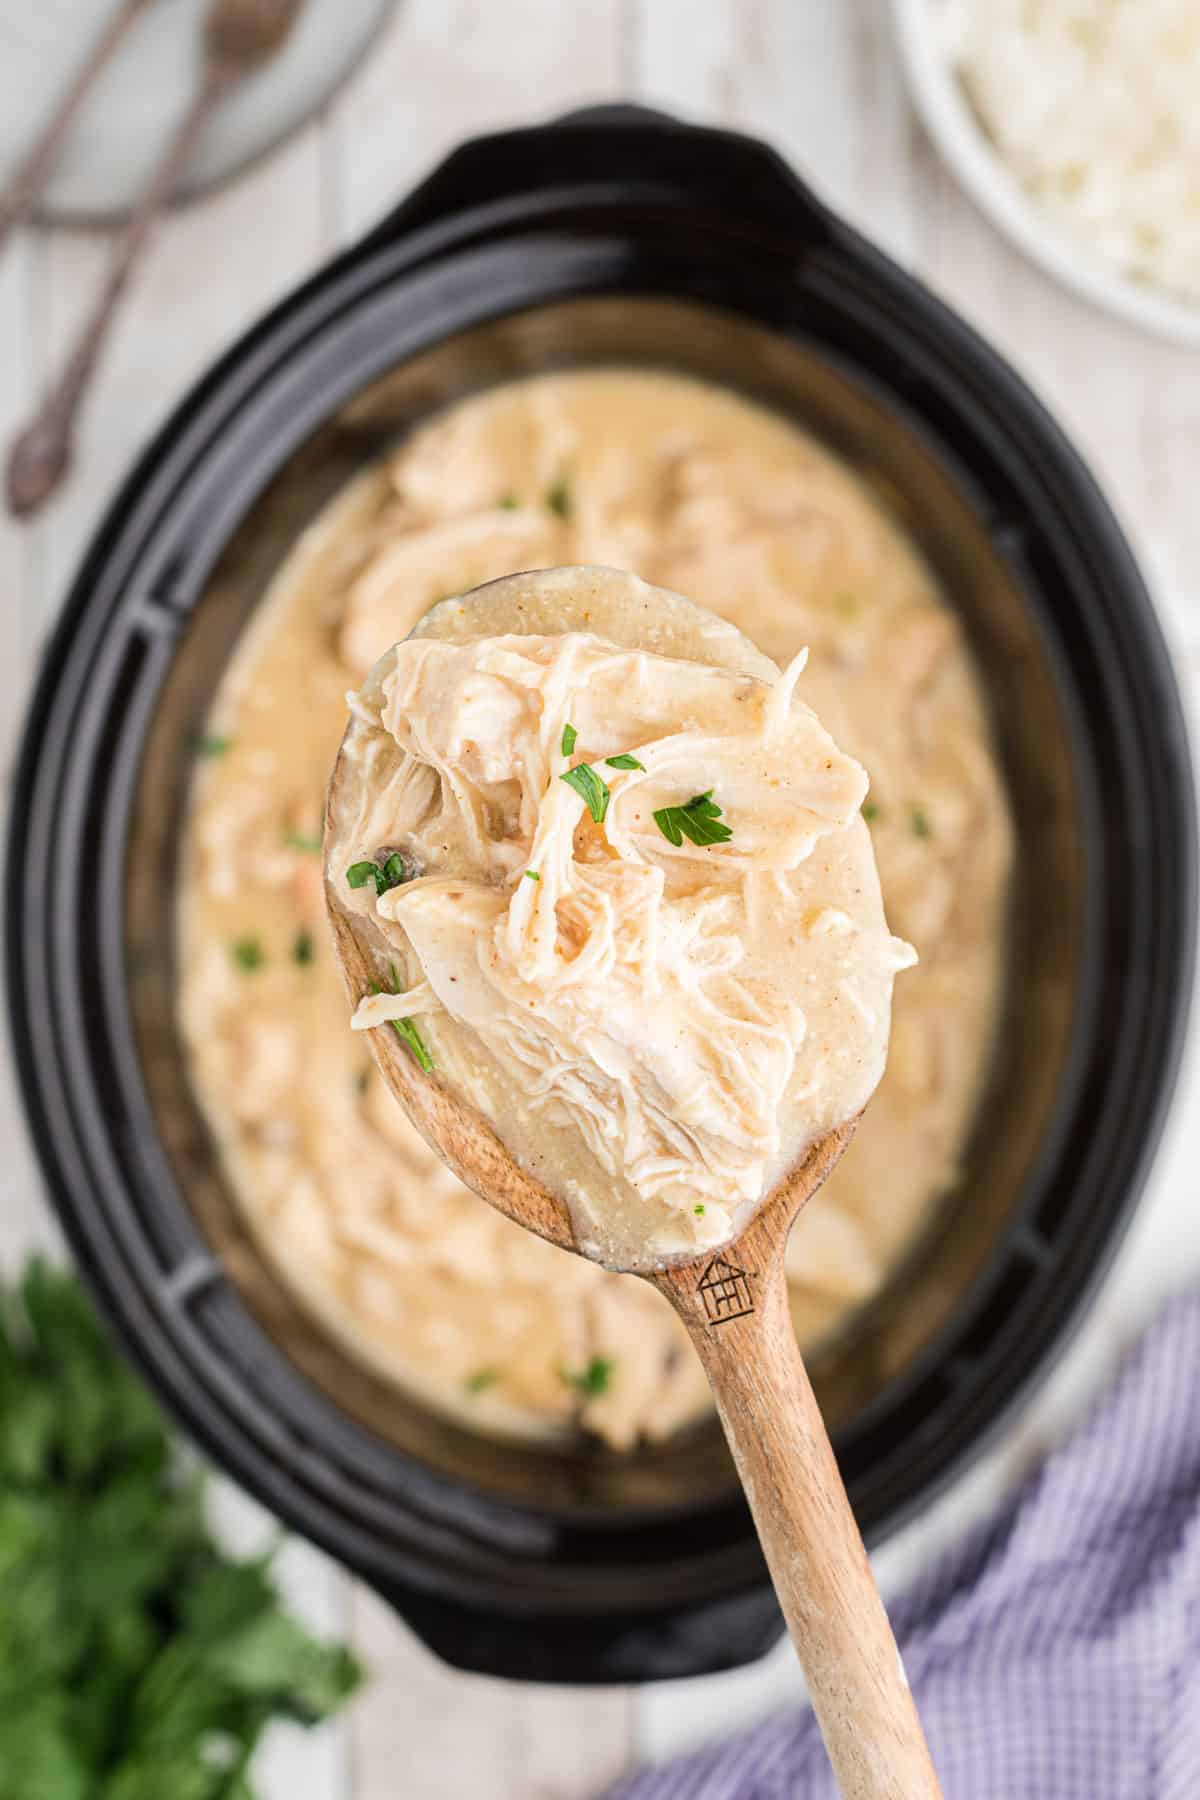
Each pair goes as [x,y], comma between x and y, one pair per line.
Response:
[406,1029]
[302,947]
[481,1379]
[697,821]
[558,497]
[870,811]
[624,761]
[248,953]
[386,876]
[308,841]
[272,1661]
[569,736]
[508,502]
[532,875]
[919,819]
[588,785]
[212,743]
[592,1381]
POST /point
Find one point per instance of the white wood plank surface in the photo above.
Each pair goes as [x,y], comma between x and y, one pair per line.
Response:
[819,79]
[24,1220]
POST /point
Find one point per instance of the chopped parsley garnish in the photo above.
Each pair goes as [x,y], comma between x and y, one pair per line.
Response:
[588,785]
[558,497]
[532,875]
[361,1081]
[919,820]
[406,1029]
[481,1379]
[248,954]
[508,502]
[386,876]
[308,841]
[569,737]
[624,761]
[870,811]
[697,821]
[213,744]
[302,948]
[699,1211]
[592,1381]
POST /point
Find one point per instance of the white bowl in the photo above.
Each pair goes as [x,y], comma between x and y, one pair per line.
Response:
[943,107]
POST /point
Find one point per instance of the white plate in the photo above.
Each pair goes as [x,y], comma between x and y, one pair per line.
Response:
[943,107]
[146,88]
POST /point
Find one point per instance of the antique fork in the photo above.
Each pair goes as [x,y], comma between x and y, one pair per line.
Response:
[239,37]
[31,174]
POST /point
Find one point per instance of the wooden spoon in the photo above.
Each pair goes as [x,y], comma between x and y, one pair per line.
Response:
[734,1304]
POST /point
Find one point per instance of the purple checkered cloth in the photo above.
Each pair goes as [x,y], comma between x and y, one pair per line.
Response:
[1055,1654]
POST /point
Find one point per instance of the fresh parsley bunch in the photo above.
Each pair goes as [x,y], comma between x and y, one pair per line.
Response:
[137,1660]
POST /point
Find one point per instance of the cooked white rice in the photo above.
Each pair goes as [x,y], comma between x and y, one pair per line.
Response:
[1095,106]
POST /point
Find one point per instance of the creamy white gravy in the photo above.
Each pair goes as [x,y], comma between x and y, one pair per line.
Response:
[697,490]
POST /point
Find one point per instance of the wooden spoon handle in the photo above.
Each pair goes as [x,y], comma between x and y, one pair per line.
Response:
[741,1326]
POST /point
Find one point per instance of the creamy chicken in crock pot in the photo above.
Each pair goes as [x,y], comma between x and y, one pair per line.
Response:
[612,871]
[697,490]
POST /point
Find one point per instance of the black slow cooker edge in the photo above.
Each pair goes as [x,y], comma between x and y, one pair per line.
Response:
[763,191]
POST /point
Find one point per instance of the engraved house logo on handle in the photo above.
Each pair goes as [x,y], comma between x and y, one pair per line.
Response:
[726,1291]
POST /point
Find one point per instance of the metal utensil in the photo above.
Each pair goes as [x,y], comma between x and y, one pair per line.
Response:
[239,36]
[30,177]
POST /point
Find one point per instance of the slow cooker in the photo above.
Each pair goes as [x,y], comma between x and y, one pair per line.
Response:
[616,236]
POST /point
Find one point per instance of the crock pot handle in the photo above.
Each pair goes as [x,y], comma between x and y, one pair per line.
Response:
[700,1637]
[616,112]
[603,146]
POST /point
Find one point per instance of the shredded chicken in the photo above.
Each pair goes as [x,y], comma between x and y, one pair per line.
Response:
[649,993]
